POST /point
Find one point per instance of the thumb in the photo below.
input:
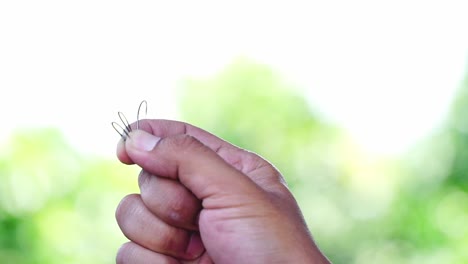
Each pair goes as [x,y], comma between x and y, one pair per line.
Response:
[182,157]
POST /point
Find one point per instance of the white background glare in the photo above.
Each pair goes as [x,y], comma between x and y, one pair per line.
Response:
[384,71]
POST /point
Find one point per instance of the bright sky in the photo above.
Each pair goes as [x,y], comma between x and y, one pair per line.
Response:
[384,71]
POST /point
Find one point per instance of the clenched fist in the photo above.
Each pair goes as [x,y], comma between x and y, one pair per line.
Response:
[204,200]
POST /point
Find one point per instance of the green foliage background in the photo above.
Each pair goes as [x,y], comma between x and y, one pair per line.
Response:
[57,206]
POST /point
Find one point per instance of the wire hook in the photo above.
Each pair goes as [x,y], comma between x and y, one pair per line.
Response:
[124,131]
[124,120]
[138,113]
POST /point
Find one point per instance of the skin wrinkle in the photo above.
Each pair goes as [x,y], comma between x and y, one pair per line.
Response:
[143,178]
[124,254]
[125,207]
[178,207]
[132,207]
[249,164]
[209,189]
[225,214]
[248,199]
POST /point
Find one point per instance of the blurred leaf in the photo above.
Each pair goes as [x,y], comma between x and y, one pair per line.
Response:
[56,206]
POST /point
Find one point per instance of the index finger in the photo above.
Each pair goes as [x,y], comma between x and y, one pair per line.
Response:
[245,161]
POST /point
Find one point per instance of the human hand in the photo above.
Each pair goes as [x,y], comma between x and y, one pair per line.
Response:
[204,201]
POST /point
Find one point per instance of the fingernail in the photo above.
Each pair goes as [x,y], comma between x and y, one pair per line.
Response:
[195,246]
[143,140]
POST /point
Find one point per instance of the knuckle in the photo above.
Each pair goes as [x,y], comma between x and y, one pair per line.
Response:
[183,209]
[124,253]
[170,244]
[185,143]
[123,209]
[177,210]
[143,178]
